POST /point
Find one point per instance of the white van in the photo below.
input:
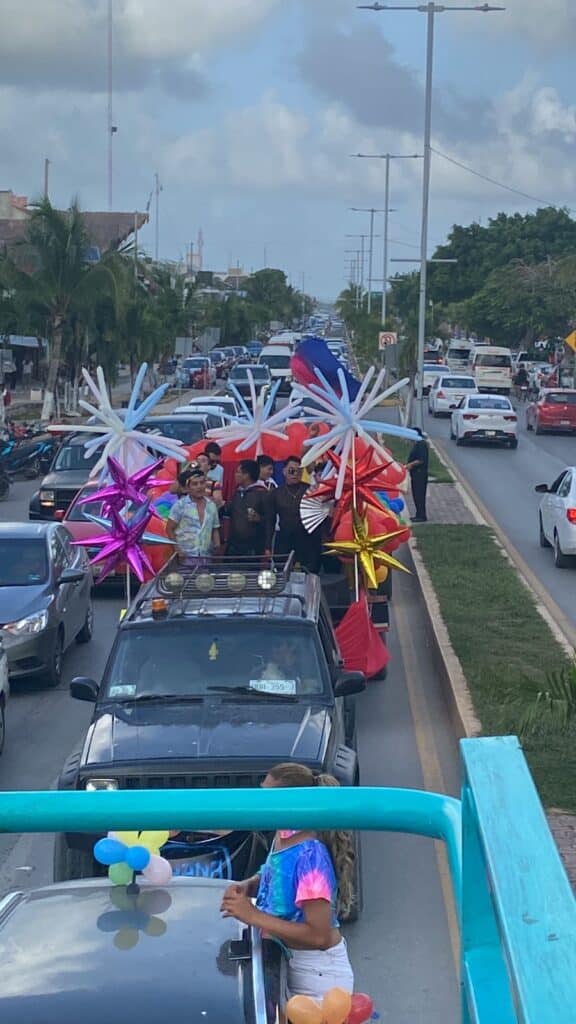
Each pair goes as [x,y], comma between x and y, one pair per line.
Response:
[277,358]
[458,355]
[491,366]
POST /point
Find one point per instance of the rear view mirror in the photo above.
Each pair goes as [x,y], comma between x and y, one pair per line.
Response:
[542,488]
[71,576]
[349,683]
[84,688]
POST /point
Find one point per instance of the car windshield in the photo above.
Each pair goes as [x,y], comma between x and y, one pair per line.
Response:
[23,562]
[458,353]
[494,360]
[458,382]
[260,373]
[72,457]
[561,398]
[187,431]
[199,363]
[197,659]
[489,403]
[276,362]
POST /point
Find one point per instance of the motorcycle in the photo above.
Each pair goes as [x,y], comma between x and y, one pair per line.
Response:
[27,450]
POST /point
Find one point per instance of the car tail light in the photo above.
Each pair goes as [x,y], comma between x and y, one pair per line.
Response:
[511,419]
[469,416]
[571,515]
[440,395]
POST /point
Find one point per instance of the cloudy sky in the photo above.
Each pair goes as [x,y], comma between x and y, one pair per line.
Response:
[249,109]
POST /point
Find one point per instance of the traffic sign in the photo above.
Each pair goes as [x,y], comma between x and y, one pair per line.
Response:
[386,338]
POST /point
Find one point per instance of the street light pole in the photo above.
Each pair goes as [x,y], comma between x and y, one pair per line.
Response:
[430,9]
[371,236]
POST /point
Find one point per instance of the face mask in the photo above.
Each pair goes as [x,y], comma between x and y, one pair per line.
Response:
[287,833]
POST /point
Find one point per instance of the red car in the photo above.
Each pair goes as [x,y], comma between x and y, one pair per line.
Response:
[554,409]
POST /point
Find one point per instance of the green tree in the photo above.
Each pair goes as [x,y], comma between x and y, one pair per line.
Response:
[62,285]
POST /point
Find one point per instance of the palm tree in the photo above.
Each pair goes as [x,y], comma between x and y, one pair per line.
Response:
[61,284]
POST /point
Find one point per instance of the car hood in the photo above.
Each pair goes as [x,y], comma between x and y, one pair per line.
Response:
[72,478]
[210,730]
[19,602]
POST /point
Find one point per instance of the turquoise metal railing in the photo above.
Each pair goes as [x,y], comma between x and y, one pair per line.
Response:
[516,909]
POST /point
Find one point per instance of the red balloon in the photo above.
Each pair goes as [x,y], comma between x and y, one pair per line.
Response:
[362,1008]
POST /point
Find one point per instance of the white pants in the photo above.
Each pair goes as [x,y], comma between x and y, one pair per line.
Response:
[313,972]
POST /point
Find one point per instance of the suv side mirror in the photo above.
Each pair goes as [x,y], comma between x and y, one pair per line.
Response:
[349,683]
[71,576]
[84,688]
[542,488]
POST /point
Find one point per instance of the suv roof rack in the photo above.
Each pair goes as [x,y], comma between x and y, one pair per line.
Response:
[225,576]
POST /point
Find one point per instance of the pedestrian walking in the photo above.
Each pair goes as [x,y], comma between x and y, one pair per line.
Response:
[417,466]
[292,534]
[251,514]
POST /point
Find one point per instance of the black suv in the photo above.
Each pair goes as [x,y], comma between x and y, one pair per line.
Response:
[68,473]
[216,674]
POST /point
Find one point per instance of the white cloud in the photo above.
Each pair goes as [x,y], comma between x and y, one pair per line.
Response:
[550,24]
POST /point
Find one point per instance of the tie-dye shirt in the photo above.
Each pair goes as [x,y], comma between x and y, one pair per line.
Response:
[296,874]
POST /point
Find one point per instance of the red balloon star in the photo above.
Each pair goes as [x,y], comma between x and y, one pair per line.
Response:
[365,480]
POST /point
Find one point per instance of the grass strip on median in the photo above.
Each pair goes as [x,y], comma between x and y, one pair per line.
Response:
[400,449]
[505,647]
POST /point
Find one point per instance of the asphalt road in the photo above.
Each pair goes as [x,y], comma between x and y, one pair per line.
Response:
[403,948]
[505,481]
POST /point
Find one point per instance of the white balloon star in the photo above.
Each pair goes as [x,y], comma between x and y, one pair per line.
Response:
[347,419]
[118,434]
[257,421]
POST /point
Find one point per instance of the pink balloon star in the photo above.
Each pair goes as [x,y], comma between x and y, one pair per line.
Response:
[124,488]
[122,543]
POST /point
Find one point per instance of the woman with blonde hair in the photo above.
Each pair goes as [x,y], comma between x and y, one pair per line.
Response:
[306,881]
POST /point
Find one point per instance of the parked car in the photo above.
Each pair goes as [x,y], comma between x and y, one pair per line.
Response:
[447,391]
[4,691]
[196,372]
[552,410]
[431,372]
[485,418]
[68,472]
[188,426]
[45,598]
[240,377]
[264,684]
[557,517]
[164,953]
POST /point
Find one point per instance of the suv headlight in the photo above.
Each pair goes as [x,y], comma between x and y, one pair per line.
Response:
[29,626]
[47,498]
[94,785]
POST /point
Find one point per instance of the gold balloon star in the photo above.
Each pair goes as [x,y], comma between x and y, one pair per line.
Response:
[368,549]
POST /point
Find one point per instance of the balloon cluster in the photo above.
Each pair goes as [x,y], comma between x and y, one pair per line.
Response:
[126,853]
[135,914]
[338,1007]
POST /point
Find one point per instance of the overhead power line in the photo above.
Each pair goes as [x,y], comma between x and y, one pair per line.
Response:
[493,181]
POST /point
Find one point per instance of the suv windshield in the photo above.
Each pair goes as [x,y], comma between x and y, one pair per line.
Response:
[260,373]
[190,659]
[185,430]
[71,457]
[23,562]
[280,362]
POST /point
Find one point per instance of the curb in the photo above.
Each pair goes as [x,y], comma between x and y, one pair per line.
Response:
[463,717]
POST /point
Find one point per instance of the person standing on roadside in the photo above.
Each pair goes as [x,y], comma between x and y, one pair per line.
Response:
[292,534]
[193,523]
[417,466]
[251,514]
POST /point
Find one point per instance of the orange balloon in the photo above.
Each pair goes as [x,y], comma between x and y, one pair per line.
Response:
[336,1006]
[382,574]
[303,1010]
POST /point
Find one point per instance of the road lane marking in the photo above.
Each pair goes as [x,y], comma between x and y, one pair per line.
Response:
[551,612]
[432,773]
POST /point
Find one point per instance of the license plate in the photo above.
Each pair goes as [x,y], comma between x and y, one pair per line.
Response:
[490,433]
[564,423]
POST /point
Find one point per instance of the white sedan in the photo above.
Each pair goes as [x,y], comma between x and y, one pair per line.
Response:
[431,371]
[557,517]
[485,418]
[447,392]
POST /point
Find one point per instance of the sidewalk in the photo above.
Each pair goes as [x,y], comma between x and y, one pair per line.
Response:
[448,504]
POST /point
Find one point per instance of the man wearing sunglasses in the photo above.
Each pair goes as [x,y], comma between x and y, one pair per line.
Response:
[291,535]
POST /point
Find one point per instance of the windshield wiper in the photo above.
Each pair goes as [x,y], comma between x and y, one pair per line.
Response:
[249,691]
[163,698]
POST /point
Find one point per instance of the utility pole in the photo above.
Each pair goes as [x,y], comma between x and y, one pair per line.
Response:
[135,247]
[110,120]
[46,174]
[387,211]
[362,262]
[157,191]
[371,236]
[430,10]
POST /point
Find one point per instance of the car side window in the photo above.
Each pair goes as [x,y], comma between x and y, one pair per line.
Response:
[557,483]
[565,486]
[70,552]
[57,554]
[328,640]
